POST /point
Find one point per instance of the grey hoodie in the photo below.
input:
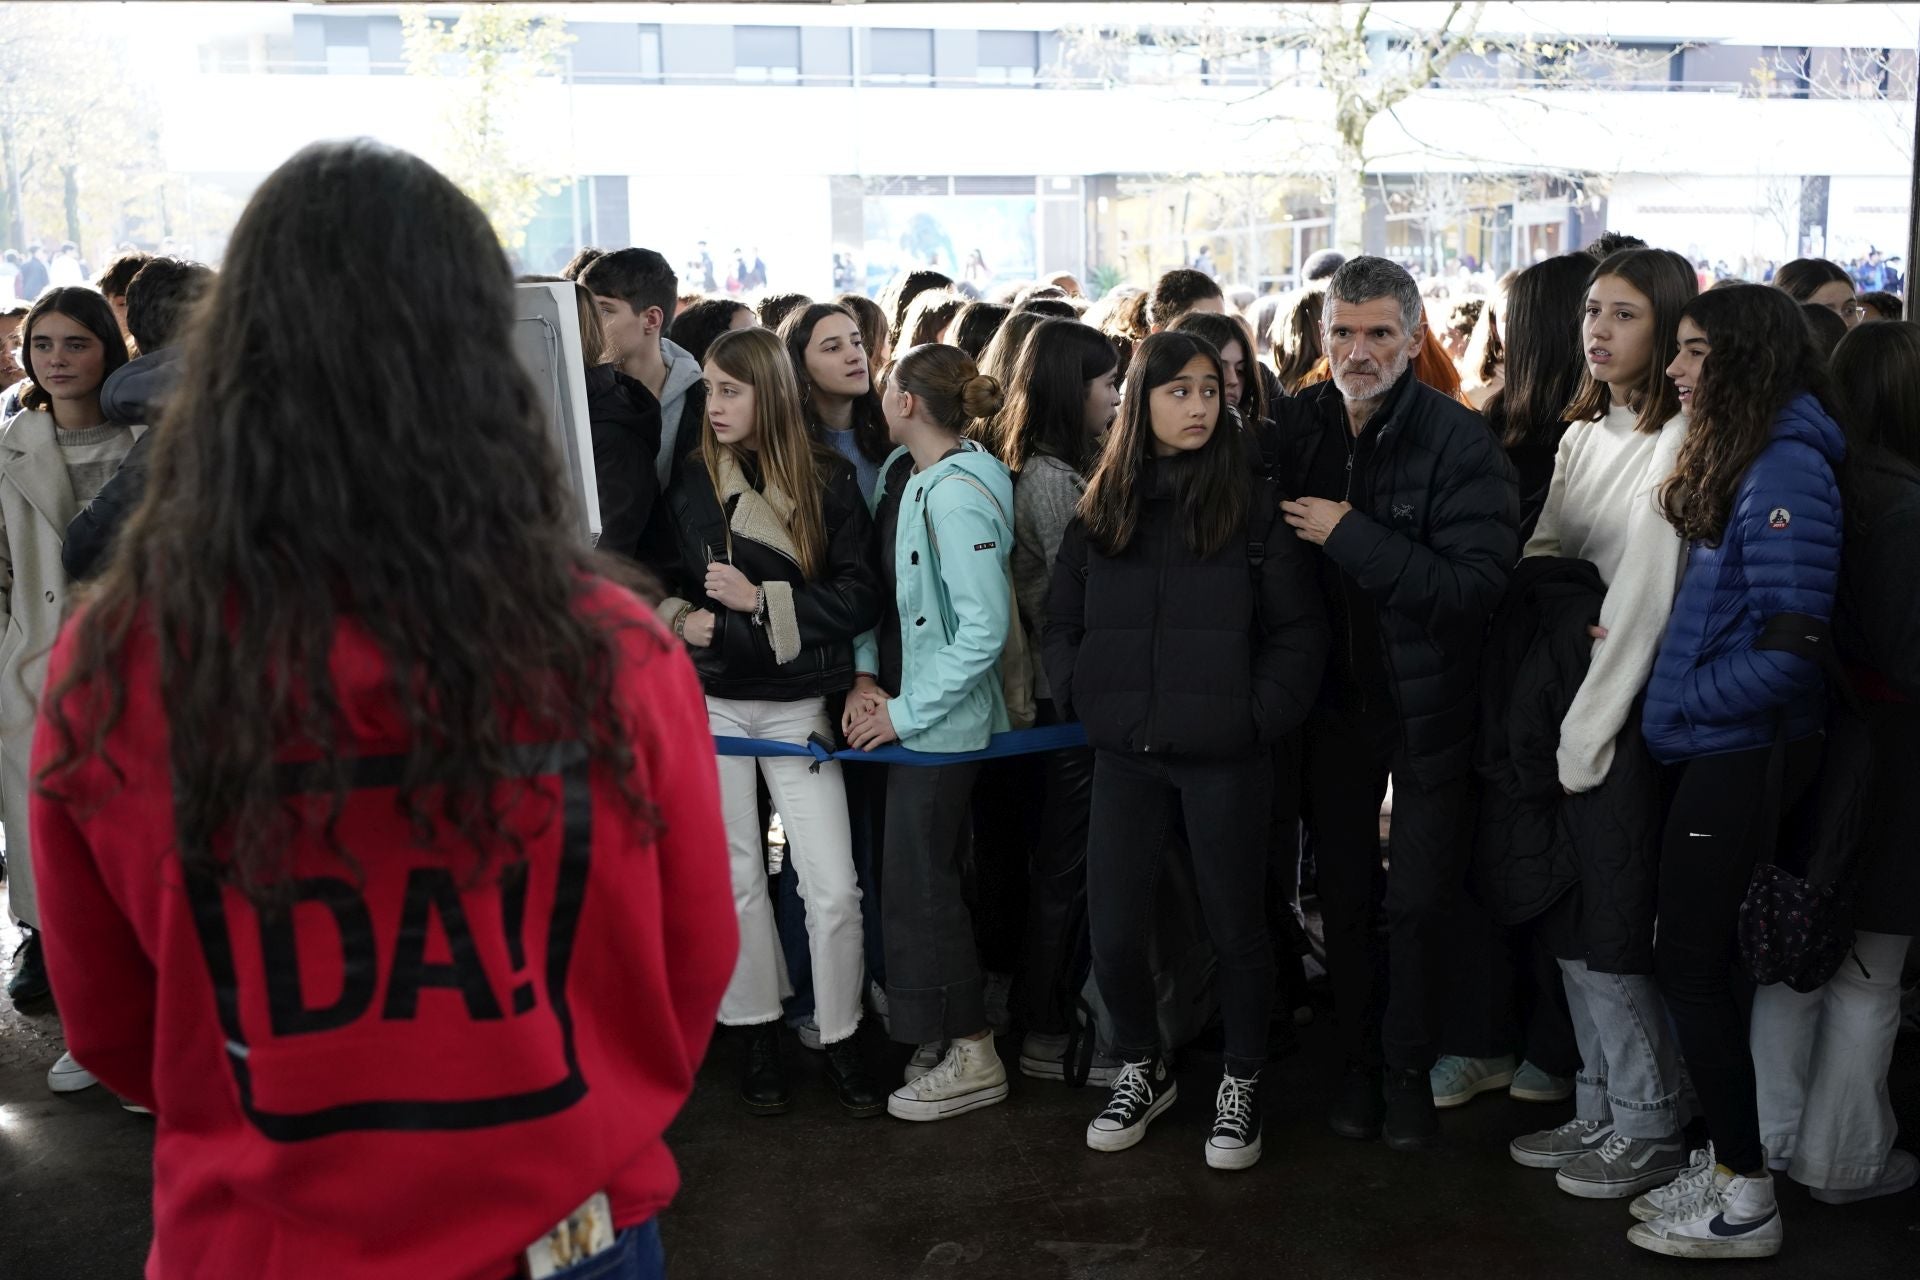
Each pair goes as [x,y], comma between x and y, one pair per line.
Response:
[683,373]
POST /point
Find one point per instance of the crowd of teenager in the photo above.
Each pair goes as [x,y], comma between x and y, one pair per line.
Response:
[369,832]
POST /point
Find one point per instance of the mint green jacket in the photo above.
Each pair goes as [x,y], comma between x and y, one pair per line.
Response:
[950,555]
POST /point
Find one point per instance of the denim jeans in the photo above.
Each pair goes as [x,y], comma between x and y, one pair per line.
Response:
[1630,1067]
[1821,1060]
[636,1255]
[934,984]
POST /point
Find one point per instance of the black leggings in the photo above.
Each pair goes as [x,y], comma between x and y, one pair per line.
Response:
[1707,856]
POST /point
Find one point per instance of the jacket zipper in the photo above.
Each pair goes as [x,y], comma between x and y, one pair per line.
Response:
[1346,596]
[1153,650]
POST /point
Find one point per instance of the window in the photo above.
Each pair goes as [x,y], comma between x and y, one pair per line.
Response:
[901,55]
[1009,57]
[615,52]
[766,53]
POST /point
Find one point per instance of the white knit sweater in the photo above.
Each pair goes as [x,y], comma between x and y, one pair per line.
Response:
[1603,507]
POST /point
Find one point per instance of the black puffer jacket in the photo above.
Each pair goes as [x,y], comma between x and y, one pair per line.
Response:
[1162,651]
[820,617]
[625,422]
[1877,634]
[1432,539]
[1534,842]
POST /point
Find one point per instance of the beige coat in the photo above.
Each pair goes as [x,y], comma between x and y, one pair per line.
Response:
[36,503]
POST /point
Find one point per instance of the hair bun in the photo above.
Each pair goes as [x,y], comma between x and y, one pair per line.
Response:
[982,397]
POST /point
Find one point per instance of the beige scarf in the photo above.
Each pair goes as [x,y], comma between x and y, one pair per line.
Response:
[762,518]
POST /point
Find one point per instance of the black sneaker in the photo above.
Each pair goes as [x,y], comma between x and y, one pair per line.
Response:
[1141,1091]
[1235,1141]
[763,1086]
[1412,1123]
[29,983]
[1359,1104]
[852,1083]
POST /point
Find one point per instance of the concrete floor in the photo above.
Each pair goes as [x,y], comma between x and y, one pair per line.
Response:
[1008,1192]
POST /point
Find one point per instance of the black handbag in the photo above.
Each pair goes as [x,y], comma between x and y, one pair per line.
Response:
[1796,921]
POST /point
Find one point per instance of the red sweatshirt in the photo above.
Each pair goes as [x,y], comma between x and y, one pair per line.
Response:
[415,1072]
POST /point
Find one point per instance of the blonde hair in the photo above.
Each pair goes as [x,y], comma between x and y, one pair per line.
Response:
[789,460]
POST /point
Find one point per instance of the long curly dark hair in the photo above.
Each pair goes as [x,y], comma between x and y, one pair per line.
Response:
[1759,358]
[1214,503]
[340,452]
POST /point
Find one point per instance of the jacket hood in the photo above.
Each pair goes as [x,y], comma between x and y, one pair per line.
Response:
[983,467]
[682,371]
[1806,421]
[136,390]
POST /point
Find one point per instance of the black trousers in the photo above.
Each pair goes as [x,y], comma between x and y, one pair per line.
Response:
[1057,886]
[1707,856]
[1505,993]
[1225,805]
[1389,994]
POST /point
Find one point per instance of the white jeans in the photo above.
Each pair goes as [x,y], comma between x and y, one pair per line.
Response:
[1820,1061]
[813,810]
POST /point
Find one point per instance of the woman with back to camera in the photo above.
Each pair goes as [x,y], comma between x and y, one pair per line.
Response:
[1064,398]
[773,583]
[55,455]
[1297,348]
[1736,706]
[1822,284]
[1821,1059]
[1623,437]
[1184,630]
[524,774]
[1545,367]
[975,326]
[928,678]
[695,328]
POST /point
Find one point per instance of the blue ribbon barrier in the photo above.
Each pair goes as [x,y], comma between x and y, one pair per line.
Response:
[1017,742]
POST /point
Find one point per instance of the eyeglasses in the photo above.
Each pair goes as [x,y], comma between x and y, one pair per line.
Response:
[1852,310]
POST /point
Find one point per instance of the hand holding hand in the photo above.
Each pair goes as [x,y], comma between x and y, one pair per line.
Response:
[728,586]
[865,695]
[1314,518]
[875,729]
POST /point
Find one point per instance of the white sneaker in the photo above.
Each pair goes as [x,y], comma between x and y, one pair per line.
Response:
[968,1078]
[877,1002]
[68,1076]
[1235,1141]
[1731,1217]
[924,1059]
[1902,1170]
[1044,1057]
[1662,1200]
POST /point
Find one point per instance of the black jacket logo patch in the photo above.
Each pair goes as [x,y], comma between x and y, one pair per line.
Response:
[985,546]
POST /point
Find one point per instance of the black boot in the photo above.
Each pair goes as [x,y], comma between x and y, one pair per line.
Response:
[1412,1124]
[852,1082]
[1358,1104]
[30,982]
[764,1086]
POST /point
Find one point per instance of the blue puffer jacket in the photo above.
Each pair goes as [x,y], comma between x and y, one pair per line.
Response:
[1712,692]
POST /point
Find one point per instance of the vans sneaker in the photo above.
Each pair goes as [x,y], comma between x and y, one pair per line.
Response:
[1624,1167]
[925,1059]
[1731,1217]
[1457,1081]
[968,1078]
[1558,1148]
[1531,1084]
[1660,1201]
[1235,1141]
[1141,1091]
[1044,1057]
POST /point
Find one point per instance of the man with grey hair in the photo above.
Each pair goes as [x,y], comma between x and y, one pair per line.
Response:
[1416,510]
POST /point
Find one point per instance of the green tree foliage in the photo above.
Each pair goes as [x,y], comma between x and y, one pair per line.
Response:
[490,57]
